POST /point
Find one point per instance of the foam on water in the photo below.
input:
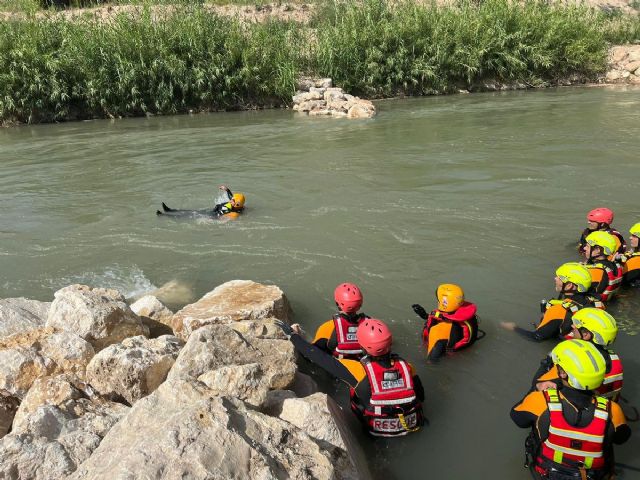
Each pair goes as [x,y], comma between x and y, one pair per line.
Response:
[129,280]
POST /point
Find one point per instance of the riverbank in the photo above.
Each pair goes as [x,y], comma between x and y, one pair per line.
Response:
[88,391]
[70,67]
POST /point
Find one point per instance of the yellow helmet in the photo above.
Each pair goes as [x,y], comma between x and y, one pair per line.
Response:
[450,297]
[600,323]
[583,363]
[635,230]
[575,273]
[604,240]
[238,199]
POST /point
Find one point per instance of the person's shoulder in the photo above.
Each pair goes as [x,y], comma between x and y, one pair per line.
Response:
[355,367]
[324,331]
[534,402]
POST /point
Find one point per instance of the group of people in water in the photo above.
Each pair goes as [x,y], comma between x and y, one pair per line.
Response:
[571,407]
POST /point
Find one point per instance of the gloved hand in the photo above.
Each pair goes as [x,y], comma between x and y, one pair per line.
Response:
[287,329]
[420,311]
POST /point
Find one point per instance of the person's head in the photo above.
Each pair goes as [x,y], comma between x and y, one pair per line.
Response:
[237,200]
[635,236]
[599,218]
[580,364]
[600,244]
[348,298]
[374,337]
[572,277]
[594,325]
[450,297]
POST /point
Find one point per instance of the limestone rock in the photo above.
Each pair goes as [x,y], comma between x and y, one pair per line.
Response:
[320,112]
[215,346]
[332,94]
[362,109]
[618,54]
[244,382]
[98,315]
[324,83]
[258,328]
[231,302]
[306,96]
[311,105]
[174,292]
[38,353]
[17,315]
[613,75]
[633,66]
[56,428]
[154,314]
[304,84]
[181,432]
[134,368]
[8,409]
[312,415]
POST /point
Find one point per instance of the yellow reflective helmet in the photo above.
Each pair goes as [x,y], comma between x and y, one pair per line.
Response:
[600,323]
[450,297]
[635,230]
[604,240]
[238,199]
[583,363]
[575,273]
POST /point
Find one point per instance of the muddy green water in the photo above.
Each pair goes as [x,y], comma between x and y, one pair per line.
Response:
[487,190]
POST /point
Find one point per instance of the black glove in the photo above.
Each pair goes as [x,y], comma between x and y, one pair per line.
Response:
[420,311]
[286,328]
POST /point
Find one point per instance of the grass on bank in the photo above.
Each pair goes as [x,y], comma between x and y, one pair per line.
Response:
[53,69]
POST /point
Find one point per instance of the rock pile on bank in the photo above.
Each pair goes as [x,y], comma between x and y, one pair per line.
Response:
[87,391]
[624,65]
[319,98]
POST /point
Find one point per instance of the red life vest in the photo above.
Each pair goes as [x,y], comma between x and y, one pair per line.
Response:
[348,346]
[613,274]
[465,316]
[393,407]
[612,384]
[568,445]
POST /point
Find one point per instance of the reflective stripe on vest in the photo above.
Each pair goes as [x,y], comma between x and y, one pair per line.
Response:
[389,391]
[346,337]
[614,279]
[612,384]
[567,444]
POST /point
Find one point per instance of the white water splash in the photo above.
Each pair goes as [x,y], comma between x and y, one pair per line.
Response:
[128,280]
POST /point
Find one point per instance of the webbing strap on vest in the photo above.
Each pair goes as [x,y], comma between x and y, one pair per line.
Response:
[403,422]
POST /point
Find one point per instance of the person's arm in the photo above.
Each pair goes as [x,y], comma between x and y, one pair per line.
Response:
[526,412]
[322,359]
[622,432]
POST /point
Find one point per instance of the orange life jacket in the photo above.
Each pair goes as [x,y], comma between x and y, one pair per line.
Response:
[613,277]
[465,316]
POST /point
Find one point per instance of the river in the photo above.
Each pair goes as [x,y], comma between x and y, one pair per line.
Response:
[486,190]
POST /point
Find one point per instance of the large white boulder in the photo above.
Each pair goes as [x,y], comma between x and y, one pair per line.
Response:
[17,315]
[133,368]
[55,429]
[154,314]
[38,353]
[233,301]
[180,431]
[99,315]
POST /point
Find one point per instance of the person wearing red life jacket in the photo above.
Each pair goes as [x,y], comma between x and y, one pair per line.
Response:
[606,274]
[338,335]
[385,392]
[451,326]
[600,328]
[600,219]
[573,430]
[631,258]
[573,284]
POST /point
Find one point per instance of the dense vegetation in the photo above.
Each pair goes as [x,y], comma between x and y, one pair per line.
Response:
[53,68]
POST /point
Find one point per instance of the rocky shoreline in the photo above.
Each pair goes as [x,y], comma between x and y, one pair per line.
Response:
[93,388]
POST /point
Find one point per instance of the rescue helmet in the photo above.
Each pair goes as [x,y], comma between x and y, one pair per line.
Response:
[374,337]
[450,297]
[600,215]
[238,199]
[575,273]
[348,297]
[600,323]
[635,230]
[584,365]
[604,240]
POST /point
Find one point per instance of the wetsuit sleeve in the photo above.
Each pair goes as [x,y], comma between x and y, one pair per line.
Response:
[323,334]
[525,413]
[546,332]
[325,361]
[622,432]
[228,192]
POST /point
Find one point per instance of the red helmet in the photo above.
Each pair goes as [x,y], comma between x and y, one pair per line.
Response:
[600,215]
[348,297]
[374,336]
